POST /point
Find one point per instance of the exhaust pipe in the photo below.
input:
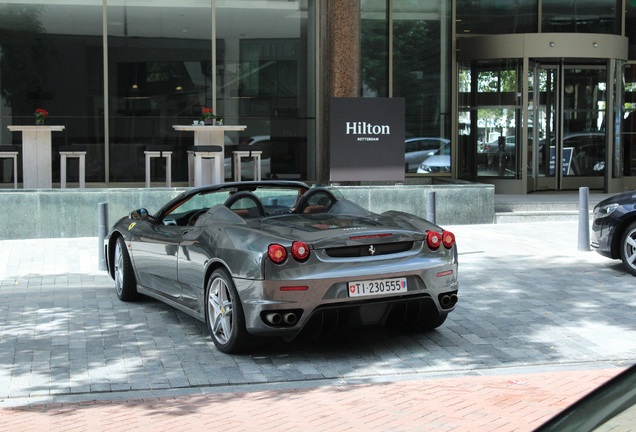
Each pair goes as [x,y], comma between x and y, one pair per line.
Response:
[446,301]
[274,318]
[454,299]
[290,318]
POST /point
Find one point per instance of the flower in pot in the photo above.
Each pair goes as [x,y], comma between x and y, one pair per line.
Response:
[40,116]
[208,116]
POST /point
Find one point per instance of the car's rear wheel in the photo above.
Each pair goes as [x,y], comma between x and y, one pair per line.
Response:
[125,283]
[224,315]
[628,248]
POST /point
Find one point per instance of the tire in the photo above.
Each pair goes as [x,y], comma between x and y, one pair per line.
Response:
[628,249]
[224,315]
[125,283]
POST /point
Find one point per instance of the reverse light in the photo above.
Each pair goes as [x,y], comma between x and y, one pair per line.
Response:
[300,251]
[433,239]
[277,253]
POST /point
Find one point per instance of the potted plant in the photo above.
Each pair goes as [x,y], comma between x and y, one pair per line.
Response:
[208,116]
[40,116]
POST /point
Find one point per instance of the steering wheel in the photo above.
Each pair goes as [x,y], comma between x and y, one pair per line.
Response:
[315,196]
[233,199]
[193,219]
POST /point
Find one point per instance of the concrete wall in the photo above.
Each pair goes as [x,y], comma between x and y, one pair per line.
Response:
[457,204]
[60,213]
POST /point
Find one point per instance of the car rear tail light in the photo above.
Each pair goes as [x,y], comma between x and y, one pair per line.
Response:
[277,253]
[448,238]
[433,239]
[300,251]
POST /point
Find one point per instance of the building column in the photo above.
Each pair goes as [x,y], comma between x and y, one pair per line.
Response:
[341,64]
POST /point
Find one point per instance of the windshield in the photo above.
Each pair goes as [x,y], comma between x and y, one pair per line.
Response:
[276,200]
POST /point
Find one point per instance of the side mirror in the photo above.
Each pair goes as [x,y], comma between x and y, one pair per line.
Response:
[141,214]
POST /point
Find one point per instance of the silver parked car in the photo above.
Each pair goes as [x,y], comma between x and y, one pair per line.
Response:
[419,149]
[278,258]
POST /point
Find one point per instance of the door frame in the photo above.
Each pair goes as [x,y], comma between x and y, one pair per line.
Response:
[558,181]
[584,48]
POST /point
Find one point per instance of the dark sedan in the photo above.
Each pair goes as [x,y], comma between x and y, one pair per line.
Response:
[614,229]
[279,258]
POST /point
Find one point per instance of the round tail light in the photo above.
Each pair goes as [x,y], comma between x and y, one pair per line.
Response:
[448,238]
[300,251]
[433,239]
[277,253]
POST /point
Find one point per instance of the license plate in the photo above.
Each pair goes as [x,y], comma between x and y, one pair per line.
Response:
[377,287]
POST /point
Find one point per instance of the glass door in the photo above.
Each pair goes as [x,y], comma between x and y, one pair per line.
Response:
[569,136]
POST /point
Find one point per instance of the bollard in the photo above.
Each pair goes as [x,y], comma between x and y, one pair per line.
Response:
[584,219]
[430,206]
[102,231]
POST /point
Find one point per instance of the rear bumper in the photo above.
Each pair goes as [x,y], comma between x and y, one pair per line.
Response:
[267,308]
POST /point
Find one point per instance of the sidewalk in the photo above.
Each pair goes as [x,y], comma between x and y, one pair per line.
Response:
[518,402]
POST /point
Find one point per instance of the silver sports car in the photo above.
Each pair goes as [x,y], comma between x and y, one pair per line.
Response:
[280,258]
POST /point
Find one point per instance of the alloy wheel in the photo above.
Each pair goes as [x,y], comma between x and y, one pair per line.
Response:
[220,310]
[119,269]
[629,249]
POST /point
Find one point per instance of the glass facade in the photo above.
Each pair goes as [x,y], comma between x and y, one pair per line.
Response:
[490,117]
[496,17]
[120,74]
[581,16]
[156,67]
[51,58]
[406,53]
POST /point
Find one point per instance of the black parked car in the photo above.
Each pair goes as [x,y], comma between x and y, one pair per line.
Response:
[614,229]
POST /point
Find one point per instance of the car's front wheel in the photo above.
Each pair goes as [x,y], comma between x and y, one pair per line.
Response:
[224,315]
[628,248]
[125,283]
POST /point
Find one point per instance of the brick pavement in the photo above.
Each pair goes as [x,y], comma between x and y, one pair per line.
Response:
[518,402]
[533,311]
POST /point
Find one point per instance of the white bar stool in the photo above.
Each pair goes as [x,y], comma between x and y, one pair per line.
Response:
[10,152]
[160,152]
[78,152]
[207,173]
[248,152]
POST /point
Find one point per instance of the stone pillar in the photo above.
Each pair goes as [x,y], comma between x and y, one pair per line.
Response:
[341,64]
[344,48]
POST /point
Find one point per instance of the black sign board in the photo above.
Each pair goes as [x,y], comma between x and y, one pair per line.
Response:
[367,139]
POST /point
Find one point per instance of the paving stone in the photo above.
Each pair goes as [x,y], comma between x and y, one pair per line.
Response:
[527,298]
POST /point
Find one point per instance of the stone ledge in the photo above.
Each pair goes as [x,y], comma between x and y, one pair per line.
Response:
[71,213]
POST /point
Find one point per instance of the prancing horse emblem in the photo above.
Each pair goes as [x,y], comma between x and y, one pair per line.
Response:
[371,250]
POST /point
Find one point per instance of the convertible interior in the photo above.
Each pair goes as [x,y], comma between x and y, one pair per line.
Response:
[248,205]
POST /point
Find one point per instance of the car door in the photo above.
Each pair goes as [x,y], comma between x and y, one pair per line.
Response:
[154,251]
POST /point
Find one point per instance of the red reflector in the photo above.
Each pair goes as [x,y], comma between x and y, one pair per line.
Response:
[445,273]
[433,239]
[448,238]
[276,253]
[294,288]
[371,236]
